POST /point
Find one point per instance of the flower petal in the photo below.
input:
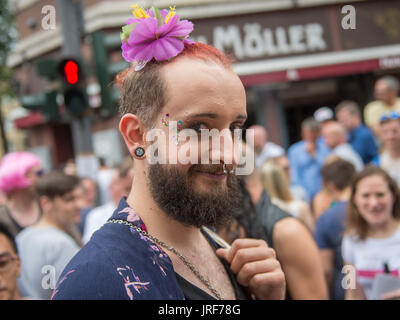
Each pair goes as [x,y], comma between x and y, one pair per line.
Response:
[183,28]
[126,52]
[167,48]
[188,41]
[147,41]
[167,27]
[144,52]
[133,20]
[144,31]
[179,29]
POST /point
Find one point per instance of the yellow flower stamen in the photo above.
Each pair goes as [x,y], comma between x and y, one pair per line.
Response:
[171,13]
[139,12]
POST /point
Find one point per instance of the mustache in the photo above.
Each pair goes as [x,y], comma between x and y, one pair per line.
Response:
[208,168]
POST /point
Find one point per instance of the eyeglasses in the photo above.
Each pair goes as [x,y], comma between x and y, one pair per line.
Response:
[394,115]
[6,260]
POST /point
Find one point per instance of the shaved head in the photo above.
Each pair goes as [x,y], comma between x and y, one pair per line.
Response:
[260,137]
[334,134]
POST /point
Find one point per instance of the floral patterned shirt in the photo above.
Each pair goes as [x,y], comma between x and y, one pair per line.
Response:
[119,263]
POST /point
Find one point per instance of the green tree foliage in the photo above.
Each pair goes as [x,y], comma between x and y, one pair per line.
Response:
[6,39]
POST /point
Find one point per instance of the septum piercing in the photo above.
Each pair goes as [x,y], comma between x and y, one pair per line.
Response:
[226,171]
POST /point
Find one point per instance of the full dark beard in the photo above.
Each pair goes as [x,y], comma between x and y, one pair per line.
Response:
[175,195]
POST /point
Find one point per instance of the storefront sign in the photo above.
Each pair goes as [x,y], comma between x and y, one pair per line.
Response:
[252,41]
[306,31]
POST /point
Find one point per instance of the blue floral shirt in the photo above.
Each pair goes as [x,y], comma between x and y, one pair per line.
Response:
[119,263]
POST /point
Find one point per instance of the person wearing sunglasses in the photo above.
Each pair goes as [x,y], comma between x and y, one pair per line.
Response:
[10,266]
[386,92]
[19,172]
[389,159]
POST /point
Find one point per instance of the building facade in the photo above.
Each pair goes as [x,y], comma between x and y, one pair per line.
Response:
[292,56]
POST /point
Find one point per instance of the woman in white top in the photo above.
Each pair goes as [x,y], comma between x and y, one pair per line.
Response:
[372,237]
[277,184]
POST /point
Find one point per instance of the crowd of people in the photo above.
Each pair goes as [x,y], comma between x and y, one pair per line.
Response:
[341,181]
[332,200]
[46,218]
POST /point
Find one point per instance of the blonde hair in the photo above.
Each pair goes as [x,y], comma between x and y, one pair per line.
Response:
[275,181]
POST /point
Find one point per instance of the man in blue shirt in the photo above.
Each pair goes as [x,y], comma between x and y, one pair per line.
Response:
[330,225]
[306,158]
[360,136]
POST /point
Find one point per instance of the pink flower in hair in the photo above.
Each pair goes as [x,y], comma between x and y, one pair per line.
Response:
[154,34]
[13,169]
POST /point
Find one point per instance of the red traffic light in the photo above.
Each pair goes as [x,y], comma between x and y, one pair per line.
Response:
[71,71]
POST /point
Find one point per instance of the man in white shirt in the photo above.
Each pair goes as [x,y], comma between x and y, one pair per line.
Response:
[120,185]
[334,135]
[263,148]
[104,177]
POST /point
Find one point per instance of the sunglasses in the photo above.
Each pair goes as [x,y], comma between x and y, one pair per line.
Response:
[394,115]
[39,172]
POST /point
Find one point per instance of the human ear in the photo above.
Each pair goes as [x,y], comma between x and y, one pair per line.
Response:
[132,131]
[45,203]
[18,266]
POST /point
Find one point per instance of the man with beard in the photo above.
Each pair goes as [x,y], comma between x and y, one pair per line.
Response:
[155,245]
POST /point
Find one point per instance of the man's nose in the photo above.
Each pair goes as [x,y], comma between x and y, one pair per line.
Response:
[2,282]
[222,148]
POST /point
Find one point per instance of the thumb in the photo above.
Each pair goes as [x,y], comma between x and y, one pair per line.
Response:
[222,253]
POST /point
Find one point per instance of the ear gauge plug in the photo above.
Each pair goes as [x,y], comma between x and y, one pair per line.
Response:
[139,152]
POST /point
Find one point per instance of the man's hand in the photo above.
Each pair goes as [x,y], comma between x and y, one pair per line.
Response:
[256,267]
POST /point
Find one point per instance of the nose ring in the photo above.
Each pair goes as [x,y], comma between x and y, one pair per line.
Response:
[226,171]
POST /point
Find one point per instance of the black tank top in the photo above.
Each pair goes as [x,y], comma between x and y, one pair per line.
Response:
[7,220]
[192,292]
[268,215]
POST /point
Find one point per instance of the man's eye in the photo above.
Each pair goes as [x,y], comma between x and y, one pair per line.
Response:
[198,127]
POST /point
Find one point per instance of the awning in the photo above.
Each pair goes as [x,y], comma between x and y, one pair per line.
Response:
[35,118]
[319,66]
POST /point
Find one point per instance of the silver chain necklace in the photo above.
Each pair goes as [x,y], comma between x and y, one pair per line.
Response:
[173,250]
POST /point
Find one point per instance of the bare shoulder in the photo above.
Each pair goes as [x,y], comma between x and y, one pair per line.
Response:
[289,228]
[303,206]
[294,244]
[294,232]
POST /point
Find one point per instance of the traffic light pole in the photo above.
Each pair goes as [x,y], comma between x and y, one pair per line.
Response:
[71,15]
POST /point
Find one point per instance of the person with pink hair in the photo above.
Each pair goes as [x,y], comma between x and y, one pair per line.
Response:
[18,175]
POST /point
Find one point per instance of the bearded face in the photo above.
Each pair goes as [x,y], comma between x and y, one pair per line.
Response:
[209,97]
[176,194]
